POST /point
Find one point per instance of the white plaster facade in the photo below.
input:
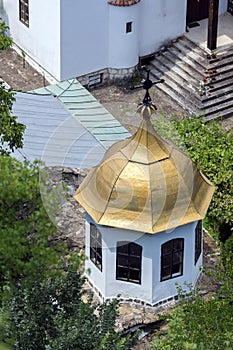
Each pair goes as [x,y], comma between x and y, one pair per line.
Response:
[70,38]
[151,290]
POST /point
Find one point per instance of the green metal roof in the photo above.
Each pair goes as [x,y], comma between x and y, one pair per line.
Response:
[87,110]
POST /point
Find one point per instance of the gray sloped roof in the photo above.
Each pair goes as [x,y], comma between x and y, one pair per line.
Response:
[53,135]
[65,125]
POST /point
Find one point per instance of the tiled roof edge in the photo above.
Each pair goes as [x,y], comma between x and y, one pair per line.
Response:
[123,2]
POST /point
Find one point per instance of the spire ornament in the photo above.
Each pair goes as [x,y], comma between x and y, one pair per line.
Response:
[147,108]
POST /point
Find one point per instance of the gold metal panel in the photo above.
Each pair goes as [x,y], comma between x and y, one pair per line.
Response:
[145,183]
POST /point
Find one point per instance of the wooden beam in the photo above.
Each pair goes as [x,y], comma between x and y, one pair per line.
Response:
[212,24]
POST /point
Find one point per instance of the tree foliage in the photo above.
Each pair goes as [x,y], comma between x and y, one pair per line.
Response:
[11,132]
[211,149]
[25,228]
[5,40]
[199,324]
[52,315]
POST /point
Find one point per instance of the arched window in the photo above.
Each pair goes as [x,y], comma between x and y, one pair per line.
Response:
[96,246]
[198,240]
[129,262]
[172,253]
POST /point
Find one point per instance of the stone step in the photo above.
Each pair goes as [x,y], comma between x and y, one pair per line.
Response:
[221,63]
[195,56]
[215,109]
[226,52]
[221,84]
[183,65]
[182,80]
[223,58]
[189,94]
[171,61]
[223,72]
[184,62]
[175,96]
[225,90]
[193,46]
[215,103]
[227,112]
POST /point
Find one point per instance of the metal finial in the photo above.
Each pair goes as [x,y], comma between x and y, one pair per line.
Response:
[146,108]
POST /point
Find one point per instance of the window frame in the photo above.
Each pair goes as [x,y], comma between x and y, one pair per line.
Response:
[198,241]
[96,246]
[171,256]
[124,251]
[24,12]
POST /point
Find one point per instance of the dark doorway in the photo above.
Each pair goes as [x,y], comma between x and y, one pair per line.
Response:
[197,10]
[230,6]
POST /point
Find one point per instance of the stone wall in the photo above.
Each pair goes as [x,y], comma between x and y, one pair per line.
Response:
[110,75]
[69,216]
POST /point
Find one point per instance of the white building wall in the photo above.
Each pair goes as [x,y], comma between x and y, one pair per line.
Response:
[123,47]
[222,6]
[84,37]
[160,21]
[41,40]
[70,38]
[151,289]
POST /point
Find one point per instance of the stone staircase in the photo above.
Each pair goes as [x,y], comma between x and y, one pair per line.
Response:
[183,66]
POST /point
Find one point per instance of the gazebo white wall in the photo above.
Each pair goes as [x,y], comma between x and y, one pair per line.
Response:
[191,271]
[151,290]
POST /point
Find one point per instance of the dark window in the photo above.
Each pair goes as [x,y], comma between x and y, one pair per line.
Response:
[128,27]
[172,259]
[198,240]
[129,262]
[24,12]
[96,246]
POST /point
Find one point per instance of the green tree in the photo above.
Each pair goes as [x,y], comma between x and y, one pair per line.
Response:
[5,40]
[199,324]
[25,252]
[52,315]
[211,149]
[11,132]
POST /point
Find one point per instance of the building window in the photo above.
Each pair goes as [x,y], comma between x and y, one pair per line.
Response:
[198,240]
[129,262]
[129,27]
[172,259]
[24,12]
[96,246]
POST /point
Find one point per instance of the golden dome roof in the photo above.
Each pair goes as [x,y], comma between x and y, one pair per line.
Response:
[145,183]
